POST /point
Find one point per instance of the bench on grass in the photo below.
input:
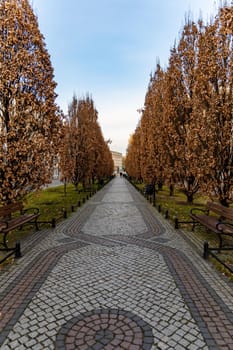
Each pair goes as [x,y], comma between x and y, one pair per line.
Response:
[216,218]
[14,216]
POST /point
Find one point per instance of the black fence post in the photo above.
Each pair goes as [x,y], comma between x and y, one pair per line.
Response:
[53,222]
[206,250]
[176,223]
[17,250]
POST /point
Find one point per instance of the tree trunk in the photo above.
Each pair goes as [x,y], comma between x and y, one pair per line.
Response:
[224,202]
[171,190]
[189,197]
[160,185]
[65,191]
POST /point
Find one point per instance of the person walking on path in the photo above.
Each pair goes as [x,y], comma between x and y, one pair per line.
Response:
[115,275]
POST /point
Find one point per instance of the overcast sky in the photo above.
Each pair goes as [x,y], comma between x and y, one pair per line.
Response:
[108,48]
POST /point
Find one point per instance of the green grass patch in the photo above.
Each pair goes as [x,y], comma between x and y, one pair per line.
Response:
[53,201]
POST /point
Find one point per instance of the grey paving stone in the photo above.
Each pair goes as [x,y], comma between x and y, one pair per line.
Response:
[132,275]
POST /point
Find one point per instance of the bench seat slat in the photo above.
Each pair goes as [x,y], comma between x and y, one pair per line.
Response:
[206,220]
[18,221]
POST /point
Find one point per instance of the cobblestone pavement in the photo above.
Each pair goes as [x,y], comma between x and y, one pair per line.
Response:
[115,275]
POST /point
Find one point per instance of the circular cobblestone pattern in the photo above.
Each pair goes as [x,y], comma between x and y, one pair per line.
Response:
[105,330]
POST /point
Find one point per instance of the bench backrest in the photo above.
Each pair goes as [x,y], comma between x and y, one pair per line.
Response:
[7,210]
[219,209]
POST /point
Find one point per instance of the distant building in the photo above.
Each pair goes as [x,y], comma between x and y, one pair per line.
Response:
[117,160]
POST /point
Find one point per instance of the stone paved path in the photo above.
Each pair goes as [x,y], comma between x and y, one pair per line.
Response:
[115,275]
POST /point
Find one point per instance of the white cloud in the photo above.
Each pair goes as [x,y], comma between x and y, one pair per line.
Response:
[118,116]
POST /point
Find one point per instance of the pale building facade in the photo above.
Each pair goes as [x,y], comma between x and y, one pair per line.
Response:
[117,160]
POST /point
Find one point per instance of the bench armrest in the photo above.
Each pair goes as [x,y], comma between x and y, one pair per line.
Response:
[34,210]
[221,225]
[3,225]
[193,210]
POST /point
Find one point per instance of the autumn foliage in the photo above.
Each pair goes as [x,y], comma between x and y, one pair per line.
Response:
[185,131]
[33,130]
[30,121]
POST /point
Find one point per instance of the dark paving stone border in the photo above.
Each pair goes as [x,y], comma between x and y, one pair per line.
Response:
[105,329]
[15,298]
[213,317]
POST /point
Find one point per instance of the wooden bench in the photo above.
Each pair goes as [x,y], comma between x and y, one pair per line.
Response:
[216,218]
[13,216]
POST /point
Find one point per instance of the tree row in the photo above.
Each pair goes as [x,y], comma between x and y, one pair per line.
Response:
[84,154]
[33,130]
[185,133]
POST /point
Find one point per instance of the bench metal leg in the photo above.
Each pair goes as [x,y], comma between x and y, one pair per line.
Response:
[36,224]
[4,240]
[220,242]
[4,243]
[193,227]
